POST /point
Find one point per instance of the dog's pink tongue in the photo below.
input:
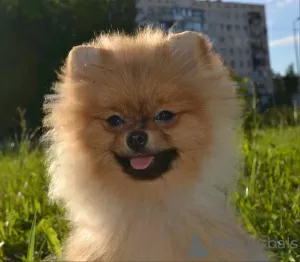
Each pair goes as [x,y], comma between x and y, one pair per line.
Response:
[141,162]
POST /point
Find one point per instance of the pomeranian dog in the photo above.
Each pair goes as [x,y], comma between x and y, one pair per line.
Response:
[142,142]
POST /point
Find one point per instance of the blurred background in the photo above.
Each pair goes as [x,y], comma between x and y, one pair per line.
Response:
[36,36]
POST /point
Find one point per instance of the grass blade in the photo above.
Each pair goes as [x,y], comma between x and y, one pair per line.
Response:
[31,243]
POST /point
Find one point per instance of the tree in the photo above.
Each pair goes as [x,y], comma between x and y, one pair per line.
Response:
[285,86]
[290,72]
[37,35]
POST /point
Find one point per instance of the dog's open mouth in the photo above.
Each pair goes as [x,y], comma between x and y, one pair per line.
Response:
[148,166]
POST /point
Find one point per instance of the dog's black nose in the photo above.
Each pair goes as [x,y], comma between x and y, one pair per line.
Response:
[137,140]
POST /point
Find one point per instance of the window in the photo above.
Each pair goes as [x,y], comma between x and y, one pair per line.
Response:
[221,27]
[245,28]
[231,51]
[213,39]
[249,63]
[221,39]
[223,51]
[197,27]
[168,11]
[232,64]
[228,28]
[237,27]
[260,74]
[175,11]
[150,10]
[189,26]
[241,64]
[196,13]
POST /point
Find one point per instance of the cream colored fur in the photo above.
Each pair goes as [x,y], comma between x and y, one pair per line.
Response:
[151,221]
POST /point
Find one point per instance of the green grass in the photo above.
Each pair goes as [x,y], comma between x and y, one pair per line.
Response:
[268,197]
[269,193]
[23,194]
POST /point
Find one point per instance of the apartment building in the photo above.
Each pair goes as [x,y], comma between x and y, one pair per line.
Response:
[237,30]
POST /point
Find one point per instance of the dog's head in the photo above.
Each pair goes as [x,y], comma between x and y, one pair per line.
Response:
[146,109]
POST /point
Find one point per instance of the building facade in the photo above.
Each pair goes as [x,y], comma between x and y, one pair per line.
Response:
[237,30]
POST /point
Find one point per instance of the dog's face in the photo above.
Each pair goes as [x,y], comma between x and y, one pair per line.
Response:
[142,129]
[142,108]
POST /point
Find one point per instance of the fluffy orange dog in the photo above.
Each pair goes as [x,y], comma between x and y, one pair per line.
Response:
[141,141]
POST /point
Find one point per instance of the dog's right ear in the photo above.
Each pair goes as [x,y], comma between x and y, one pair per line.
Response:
[79,59]
[191,46]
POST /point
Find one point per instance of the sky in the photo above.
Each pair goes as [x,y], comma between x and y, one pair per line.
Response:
[280,15]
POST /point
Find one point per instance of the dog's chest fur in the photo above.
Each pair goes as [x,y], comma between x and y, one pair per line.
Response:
[163,232]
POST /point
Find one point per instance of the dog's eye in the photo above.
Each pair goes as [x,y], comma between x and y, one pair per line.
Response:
[115,121]
[164,116]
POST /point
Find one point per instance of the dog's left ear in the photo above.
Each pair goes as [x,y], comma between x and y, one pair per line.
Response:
[191,46]
[78,60]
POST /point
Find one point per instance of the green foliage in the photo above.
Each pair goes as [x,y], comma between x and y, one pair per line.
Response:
[31,242]
[290,70]
[271,118]
[27,220]
[268,196]
[285,86]
[283,116]
[36,37]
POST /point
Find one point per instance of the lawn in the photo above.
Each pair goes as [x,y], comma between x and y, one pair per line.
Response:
[267,198]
